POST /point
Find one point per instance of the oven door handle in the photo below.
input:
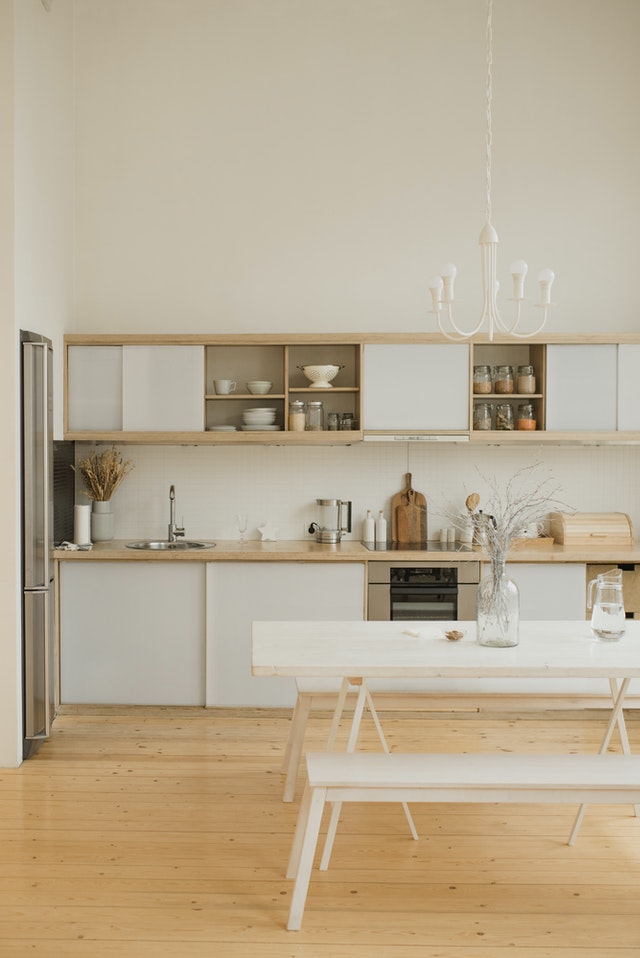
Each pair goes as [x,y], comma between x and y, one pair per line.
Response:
[397,589]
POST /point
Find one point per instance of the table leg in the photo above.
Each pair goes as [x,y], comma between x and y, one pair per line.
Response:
[364,697]
[616,717]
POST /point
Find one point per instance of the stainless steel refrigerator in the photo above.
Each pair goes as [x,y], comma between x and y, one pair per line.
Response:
[37,540]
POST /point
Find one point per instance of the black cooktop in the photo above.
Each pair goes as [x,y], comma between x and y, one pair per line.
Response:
[432,545]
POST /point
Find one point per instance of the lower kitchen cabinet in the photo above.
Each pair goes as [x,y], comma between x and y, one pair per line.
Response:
[549,590]
[238,593]
[132,633]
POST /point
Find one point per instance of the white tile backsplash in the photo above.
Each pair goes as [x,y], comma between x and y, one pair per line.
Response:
[280,484]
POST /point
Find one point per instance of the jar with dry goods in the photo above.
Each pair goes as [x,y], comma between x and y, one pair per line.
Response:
[297,419]
[504,416]
[526,380]
[503,380]
[482,379]
[333,421]
[315,417]
[482,416]
[526,418]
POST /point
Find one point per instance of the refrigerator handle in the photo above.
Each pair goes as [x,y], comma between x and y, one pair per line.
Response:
[30,465]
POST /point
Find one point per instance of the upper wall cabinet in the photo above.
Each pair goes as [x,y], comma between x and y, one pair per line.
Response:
[167,389]
[116,389]
[629,387]
[162,388]
[582,387]
[417,387]
[94,389]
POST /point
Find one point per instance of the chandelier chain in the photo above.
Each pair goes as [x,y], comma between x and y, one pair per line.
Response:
[489,93]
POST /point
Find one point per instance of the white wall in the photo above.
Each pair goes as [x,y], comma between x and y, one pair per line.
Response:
[36,217]
[44,176]
[278,165]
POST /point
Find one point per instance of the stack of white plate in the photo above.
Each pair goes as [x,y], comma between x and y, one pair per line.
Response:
[259,419]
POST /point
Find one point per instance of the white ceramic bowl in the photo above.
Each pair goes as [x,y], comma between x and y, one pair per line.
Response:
[320,376]
[259,417]
[259,387]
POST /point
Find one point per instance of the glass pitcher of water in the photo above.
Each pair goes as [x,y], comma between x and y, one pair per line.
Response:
[605,601]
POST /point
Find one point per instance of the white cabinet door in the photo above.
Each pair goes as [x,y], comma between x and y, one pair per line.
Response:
[239,592]
[550,590]
[416,387]
[629,386]
[132,633]
[582,387]
[163,388]
[94,388]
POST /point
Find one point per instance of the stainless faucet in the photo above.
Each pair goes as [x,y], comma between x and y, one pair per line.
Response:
[175,532]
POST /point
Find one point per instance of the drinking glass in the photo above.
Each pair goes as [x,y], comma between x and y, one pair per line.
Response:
[241,523]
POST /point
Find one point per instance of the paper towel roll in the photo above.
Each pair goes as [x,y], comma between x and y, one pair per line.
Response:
[81,525]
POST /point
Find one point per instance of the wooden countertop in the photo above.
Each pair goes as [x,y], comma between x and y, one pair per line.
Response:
[349,550]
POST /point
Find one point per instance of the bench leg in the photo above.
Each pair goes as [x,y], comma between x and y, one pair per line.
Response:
[315,805]
[293,750]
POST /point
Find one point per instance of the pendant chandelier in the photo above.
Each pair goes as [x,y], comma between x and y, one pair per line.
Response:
[441,287]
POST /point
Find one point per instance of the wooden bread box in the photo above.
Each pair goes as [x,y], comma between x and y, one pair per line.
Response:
[591,528]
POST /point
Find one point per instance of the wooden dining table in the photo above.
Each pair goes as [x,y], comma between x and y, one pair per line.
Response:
[358,653]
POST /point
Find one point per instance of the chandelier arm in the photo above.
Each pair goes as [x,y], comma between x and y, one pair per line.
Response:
[534,332]
[460,333]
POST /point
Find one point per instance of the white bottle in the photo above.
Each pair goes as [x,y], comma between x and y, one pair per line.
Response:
[381,528]
[368,531]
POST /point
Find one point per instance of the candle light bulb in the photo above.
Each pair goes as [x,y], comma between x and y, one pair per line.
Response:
[435,288]
[545,278]
[518,271]
[448,274]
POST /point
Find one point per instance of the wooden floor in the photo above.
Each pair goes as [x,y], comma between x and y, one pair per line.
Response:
[152,833]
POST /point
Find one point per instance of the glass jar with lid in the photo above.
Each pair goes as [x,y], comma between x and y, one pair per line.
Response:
[333,421]
[297,419]
[346,421]
[482,416]
[503,380]
[526,380]
[315,417]
[526,418]
[482,379]
[504,416]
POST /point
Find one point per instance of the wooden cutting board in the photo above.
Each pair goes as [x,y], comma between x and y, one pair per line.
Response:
[409,515]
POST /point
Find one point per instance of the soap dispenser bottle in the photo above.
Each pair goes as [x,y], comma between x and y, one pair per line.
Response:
[381,527]
[369,529]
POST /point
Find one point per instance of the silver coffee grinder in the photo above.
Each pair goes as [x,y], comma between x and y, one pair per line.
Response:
[334,518]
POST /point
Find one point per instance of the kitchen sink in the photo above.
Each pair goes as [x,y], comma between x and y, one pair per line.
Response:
[161,545]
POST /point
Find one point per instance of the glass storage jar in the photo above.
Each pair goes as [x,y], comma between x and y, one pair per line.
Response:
[482,379]
[333,421]
[503,380]
[296,416]
[315,417]
[504,416]
[526,418]
[526,380]
[482,415]
[347,421]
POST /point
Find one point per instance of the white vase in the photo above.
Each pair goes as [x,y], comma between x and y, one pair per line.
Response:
[102,521]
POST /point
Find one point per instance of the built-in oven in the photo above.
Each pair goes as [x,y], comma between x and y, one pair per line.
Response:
[427,591]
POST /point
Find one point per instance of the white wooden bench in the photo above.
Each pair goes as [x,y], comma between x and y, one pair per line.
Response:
[322,693]
[400,777]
